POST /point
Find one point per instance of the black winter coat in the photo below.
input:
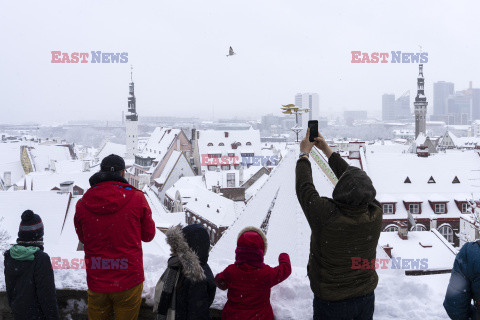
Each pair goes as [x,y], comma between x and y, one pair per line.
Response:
[344,228]
[195,289]
[31,287]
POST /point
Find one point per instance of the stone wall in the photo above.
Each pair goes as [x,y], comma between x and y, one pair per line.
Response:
[73,306]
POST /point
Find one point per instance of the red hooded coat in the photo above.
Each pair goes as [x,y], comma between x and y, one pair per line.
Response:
[111,220]
[248,285]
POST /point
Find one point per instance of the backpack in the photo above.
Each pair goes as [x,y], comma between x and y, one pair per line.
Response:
[158,294]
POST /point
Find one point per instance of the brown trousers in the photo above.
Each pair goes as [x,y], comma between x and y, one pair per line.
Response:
[125,305]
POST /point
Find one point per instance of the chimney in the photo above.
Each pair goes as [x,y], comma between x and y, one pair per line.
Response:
[86,166]
[193,134]
[226,134]
[66,187]
[52,165]
[7,178]
[402,230]
[388,250]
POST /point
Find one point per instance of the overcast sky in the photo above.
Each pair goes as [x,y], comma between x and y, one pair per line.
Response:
[178,52]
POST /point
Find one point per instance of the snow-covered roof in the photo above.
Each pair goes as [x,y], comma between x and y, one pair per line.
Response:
[220,141]
[43,155]
[45,181]
[111,148]
[10,160]
[213,207]
[185,183]
[429,245]
[172,161]
[50,205]
[389,170]
[159,142]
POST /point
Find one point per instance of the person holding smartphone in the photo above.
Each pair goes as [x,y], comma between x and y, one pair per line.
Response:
[345,228]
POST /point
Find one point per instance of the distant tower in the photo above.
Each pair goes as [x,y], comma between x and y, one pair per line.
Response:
[420,105]
[131,121]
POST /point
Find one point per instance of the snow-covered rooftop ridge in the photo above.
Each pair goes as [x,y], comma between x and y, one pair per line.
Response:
[185,183]
[211,206]
[172,161]
[159,142]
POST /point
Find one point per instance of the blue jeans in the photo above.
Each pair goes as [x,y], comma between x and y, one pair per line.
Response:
[360,308]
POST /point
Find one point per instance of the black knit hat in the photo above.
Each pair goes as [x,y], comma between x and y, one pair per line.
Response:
[31,228]
[112,163]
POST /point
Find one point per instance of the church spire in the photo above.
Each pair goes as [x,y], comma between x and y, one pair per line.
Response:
[420,104]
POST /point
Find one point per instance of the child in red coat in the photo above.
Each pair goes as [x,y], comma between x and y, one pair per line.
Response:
[249,280]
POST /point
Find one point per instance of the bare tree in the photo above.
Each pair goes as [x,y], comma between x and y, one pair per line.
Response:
[4,237]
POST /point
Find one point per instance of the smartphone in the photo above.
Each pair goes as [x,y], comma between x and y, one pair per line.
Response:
[313,125]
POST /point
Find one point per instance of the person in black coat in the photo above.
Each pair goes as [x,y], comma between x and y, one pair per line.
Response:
[29,275]
[192,294]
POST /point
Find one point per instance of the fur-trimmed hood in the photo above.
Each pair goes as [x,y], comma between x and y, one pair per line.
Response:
[257,230]
[190,245]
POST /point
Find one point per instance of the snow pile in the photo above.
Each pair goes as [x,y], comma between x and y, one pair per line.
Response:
[397,296]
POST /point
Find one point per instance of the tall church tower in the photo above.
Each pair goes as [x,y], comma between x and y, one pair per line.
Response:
[131,123]
[420,105]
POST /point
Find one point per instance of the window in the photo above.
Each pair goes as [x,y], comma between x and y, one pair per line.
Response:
[391,229]
[212,168]
[230,180]
[221,144]
[388,208]
[231,154]
[447,232]
[226,167]
[419,227]
[465,207]
[414,208]
[440,208]
[248,143]
[237,166]
[214,155]
[247,154]
[210,144]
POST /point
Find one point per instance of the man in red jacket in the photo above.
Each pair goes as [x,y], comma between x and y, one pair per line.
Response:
[111,220]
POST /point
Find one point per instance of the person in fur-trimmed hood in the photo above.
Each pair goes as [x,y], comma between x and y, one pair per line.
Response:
[188,283]
[249,280]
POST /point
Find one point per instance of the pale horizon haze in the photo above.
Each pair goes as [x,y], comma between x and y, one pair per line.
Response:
[178,52]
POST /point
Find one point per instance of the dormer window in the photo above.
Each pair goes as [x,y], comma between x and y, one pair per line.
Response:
[210,144]
[413,207]
[456,180]
[407,180]
[388,208]
[221,144]
[431,180]
[439,207]
[248,143]
[463,206]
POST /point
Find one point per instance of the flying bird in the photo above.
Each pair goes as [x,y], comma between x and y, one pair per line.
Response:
[230,52]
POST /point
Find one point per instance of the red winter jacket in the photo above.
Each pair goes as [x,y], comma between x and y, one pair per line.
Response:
[111,220]
[249,286]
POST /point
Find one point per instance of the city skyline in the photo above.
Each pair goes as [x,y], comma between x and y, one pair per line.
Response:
[181,68]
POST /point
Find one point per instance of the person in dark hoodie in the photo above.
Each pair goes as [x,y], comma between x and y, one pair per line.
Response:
[29,276]
[189,287]
[111,220]
[344,229]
